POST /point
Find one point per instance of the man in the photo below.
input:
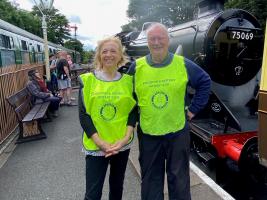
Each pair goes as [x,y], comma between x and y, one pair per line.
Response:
[161,79]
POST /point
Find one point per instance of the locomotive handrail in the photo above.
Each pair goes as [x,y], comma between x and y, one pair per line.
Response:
[178,29]
[242,28]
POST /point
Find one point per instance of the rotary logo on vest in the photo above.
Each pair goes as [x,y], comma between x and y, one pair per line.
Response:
[160,100]
[108,111]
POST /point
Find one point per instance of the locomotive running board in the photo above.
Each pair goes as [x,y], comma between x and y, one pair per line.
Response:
[214,119]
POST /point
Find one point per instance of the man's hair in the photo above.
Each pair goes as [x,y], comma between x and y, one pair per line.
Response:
[97,58]
[157,24]
[62,53]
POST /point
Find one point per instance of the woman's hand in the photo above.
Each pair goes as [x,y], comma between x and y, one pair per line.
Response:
[115,148]
[104,146]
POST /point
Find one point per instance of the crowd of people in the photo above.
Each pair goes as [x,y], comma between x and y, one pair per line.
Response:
[152,94]
[58,89]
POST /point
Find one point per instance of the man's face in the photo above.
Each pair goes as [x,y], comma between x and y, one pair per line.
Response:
[158,41]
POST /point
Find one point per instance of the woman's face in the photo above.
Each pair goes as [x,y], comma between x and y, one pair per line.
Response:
[38,75]
[110,55]
[68,57]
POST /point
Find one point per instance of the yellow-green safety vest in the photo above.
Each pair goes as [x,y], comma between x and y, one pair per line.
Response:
[161,93]
[109,104]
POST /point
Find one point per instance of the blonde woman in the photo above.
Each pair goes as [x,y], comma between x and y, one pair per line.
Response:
[108,117]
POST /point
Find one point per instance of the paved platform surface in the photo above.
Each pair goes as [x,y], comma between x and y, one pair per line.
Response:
[54,168]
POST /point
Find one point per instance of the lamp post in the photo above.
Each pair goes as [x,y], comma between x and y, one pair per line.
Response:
[45,5]
[75,37]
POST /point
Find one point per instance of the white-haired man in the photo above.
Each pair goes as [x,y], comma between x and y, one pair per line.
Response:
[161,79]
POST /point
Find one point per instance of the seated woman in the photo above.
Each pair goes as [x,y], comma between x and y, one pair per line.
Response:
[40,93]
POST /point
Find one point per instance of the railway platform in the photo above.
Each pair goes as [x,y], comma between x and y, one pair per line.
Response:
[53,168]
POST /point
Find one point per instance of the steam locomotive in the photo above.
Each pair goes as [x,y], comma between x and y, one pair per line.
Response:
[18,46]
[228,44]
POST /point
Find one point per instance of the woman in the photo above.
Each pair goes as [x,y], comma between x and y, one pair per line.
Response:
[107,116]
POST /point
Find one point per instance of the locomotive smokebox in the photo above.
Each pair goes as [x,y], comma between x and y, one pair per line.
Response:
[227,44]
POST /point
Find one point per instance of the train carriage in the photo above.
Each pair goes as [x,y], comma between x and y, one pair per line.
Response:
[18,46]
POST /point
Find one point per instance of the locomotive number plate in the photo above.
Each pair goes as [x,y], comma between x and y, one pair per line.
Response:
[241,35]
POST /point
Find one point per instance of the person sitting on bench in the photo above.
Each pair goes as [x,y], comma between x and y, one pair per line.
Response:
[40,96]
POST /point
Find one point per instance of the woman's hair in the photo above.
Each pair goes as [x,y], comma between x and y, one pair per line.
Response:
[97,57]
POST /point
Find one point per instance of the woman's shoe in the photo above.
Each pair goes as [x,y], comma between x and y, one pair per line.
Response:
[71,104]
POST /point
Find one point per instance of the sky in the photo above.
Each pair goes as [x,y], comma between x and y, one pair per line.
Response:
[95,20]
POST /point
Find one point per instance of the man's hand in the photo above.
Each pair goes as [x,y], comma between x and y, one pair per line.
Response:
[190,115]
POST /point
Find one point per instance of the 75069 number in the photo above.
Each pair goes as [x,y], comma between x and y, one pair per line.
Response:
[242,35]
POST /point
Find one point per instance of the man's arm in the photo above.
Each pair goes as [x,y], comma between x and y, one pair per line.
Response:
[201,82]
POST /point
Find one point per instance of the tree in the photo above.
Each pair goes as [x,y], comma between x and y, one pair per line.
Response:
[168,12]
[256,7]
[57,25]
[18,17]
[7,11]
[88,56]
[74,44]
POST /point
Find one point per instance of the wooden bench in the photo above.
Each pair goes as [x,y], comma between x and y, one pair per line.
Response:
[29,116]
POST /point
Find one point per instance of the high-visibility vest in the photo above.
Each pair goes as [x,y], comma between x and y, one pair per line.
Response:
[109,104]
[161,96]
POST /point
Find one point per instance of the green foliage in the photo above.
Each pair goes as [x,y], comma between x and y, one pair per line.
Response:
[172,12]
[20,18]
[7,11]
[168,12]
[57,25]
[88,56]
[258,8]
[74,45]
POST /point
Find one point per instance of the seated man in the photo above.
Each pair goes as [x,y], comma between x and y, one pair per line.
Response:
[41,95]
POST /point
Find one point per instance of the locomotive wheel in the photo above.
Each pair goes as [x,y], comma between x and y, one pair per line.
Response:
[249,162]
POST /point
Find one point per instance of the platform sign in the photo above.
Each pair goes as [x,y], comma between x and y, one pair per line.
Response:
[262,142]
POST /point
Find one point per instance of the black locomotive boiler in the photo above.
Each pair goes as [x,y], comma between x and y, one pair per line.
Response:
[228,44]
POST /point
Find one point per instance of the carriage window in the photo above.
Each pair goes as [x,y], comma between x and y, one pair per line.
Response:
[1,41]
[24,45]
[50,50]
[12,42]
[5,41]
[38,48]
